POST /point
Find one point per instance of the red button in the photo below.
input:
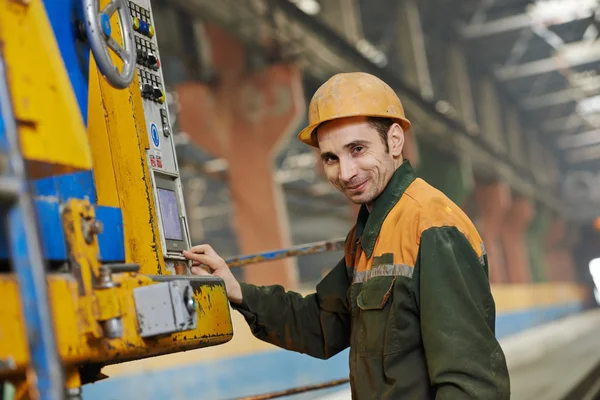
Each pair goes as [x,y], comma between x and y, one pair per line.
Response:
[159,162]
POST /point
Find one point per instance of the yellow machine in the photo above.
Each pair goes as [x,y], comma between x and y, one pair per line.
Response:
[92,271]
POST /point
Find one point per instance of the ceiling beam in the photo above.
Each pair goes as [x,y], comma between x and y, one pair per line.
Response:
[579,140]
[568,123]
[583,154]
[571,55]
[478,29]
[496,26]
[553,99]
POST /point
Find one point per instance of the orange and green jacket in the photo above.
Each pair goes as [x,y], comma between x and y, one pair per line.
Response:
[411,298]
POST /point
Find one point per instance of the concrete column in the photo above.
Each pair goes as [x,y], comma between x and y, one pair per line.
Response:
[493,201]
[411,148]
[514,239]
[559,253]
[490,113]
[536,156]
[516,143]
[343,16]
[444,171]
[244,119]
[460,97]
[458,84]
[536,239]
[410,48]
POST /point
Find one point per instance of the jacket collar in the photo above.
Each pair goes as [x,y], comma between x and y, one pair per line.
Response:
[368,224]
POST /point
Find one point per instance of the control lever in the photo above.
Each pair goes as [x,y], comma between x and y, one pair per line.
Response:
[98,32]
[106,270]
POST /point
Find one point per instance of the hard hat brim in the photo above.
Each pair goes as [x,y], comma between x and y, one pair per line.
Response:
[305,135]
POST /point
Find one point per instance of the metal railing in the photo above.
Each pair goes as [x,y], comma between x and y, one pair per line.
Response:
[294,251]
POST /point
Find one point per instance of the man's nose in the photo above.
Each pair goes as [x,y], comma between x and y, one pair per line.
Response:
[347,170]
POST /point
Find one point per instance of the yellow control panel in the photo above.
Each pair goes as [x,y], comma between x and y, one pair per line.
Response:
[142,302]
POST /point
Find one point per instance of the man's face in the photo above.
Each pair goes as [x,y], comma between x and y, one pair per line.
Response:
[355,159]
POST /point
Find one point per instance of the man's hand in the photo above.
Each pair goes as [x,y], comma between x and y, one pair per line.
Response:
[205,259]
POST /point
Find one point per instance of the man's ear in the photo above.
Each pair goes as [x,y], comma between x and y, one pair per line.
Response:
[396,140]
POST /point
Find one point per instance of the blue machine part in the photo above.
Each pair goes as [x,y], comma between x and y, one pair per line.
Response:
[79,185]
[52,237]
[51,192]
[3,142]
[111,240]
[22,242]
[65,16]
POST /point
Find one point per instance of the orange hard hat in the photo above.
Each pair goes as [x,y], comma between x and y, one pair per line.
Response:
[352,94]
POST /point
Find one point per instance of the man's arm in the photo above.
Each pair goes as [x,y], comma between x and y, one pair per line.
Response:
[317,325]
[458,314]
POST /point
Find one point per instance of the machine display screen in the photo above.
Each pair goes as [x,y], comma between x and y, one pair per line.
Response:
[170,214]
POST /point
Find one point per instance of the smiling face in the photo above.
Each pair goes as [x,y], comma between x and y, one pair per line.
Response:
[355,158]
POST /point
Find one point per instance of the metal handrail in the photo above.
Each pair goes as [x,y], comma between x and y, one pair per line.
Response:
[301,389]
[294,251]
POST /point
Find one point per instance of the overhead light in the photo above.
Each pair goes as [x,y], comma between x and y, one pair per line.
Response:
[371,52]
[589,105]
[310,7]
[552,12]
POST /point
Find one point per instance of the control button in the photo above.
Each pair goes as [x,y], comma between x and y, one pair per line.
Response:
[147,90]
[166,130]
[152,61]
[136,23]
[158,95]
[141,56]
[150,31]
[156,92]
[143,27]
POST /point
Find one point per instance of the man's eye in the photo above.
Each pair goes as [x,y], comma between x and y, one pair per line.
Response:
[357,149]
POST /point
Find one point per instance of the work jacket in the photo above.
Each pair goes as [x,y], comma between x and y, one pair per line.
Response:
[411,298]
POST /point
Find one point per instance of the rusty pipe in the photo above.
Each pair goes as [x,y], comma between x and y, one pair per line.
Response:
[295,251]
[297,390]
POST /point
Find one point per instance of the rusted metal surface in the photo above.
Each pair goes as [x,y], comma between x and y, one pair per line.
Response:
[80,344]
[295,251]
[301,389]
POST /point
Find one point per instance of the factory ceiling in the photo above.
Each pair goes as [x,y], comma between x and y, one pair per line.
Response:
[542,57]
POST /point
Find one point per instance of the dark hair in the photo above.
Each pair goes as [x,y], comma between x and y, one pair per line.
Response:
[381,124]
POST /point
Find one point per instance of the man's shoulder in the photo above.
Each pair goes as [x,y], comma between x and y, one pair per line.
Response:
[428,208]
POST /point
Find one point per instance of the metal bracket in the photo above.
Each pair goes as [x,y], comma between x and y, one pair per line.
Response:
[165,307]
[108,302]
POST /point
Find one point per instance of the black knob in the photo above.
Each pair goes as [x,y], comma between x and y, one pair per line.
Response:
[141,56]
[152,61]
[157,93]
[147,90]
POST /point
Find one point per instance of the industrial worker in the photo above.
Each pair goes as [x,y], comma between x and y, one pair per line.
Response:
[411,296]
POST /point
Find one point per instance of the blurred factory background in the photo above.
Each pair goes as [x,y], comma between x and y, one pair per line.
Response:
[505,104]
